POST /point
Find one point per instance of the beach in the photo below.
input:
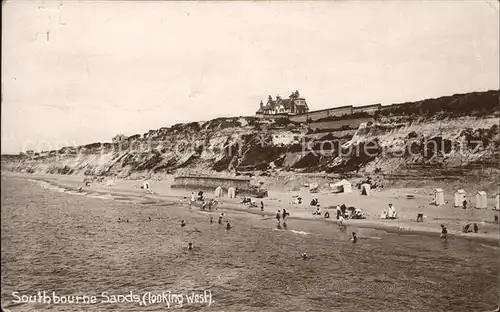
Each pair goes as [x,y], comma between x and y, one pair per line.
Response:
[58,241]
[407,209]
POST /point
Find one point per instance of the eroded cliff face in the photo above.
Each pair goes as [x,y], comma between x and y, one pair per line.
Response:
[456,135]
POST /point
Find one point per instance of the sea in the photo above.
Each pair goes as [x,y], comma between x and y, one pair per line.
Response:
[65,252]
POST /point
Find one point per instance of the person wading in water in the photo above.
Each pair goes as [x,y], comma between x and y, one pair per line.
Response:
[444,232]
[354,238]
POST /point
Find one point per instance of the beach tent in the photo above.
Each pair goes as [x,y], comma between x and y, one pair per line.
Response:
[365,189]
[438,197]
[145,185]
[218,192]
[459,198]
[497,202]
[231,192]
[343,186]
[481,200]
[313,187]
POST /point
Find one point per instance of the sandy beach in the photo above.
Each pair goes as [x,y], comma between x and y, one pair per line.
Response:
[407,209]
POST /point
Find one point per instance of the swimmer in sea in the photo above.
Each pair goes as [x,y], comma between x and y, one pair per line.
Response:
[354,239]
[190,246]
[149,219]
[228,226]
[220,219]
[304,256]
[211,220]
[183,224]
[444,232]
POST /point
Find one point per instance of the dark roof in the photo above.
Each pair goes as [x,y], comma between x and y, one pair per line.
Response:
[286,103]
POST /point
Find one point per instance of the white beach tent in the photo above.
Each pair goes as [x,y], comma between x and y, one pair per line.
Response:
[231,192]
[145,185]
[365,189]
[497,202]
[342,186]
[218,192]
[481,200]
[459,198]
[438,197]
[313,187]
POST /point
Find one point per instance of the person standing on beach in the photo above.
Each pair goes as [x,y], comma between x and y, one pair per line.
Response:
[278,216]
[392,211]
[444,232]
[343,208]
[338,212]
[464,204]
[285,214]
[261,205]
[354,238]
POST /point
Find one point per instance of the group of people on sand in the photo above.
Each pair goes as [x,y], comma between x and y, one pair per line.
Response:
[389,213]
[195,198]
[212,203]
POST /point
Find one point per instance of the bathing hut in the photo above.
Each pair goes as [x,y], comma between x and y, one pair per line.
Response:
[438,197]
[365,189]
[459,198]
[231,192]
[481,200]
[342,186]
[497,201]
[313,188]
[218,192]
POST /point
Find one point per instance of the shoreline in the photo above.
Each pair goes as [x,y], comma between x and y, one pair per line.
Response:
[403,227]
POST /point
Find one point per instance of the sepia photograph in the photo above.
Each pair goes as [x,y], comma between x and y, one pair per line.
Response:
[251,156]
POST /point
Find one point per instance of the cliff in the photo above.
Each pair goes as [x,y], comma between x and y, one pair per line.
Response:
[453,137]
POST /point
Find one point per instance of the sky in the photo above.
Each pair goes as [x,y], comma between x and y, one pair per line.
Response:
[109,67]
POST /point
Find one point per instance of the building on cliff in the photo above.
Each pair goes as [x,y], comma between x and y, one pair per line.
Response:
[295,104]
